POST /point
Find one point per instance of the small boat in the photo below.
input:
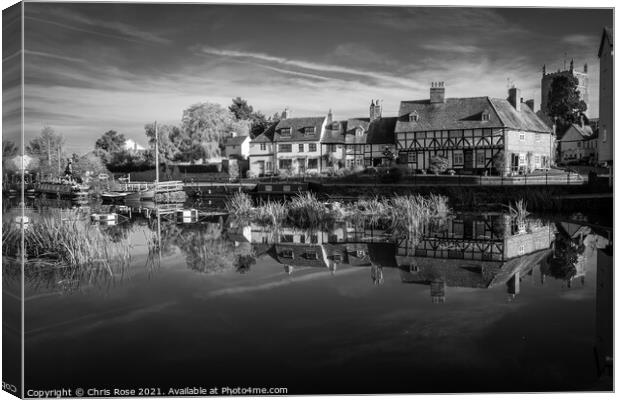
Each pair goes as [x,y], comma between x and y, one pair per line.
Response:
[113,196]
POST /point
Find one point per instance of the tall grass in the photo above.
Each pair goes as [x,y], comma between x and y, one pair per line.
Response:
[66,239]
[402,213]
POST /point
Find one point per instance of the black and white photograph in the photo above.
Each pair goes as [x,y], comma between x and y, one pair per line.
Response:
[241,199]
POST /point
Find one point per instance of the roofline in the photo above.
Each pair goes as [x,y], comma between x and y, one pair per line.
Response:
[600,47]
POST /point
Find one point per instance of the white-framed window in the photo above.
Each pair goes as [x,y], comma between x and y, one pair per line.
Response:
[522,136]
[413,117]
[263,146]
[486,116]
[312,147]
[521,159]
[301,147]
[313,163]
[537,137]
[268,166]
[537,160]
[285,148]
[457,157]
[285,131]
[309,130]
[411,157]
[359,131]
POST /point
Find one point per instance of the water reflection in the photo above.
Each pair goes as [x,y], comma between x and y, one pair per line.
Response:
[360,296]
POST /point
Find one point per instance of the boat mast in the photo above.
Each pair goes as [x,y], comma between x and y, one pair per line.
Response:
[156,155]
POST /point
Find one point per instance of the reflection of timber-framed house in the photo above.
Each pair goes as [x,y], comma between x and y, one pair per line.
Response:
[470,132]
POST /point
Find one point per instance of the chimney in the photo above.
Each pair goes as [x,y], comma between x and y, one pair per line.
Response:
[513,98]
[330,116]
[585,68]
[530,104]
[438,92]
[285,113]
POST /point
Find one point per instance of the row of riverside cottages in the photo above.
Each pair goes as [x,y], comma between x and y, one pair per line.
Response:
[469,132]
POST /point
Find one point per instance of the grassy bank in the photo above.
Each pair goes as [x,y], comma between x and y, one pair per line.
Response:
[306,211]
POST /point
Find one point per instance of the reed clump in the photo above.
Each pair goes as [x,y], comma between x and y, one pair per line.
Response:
[66,239]
[306,211]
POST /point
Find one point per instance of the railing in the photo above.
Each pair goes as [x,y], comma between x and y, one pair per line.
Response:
[168,186]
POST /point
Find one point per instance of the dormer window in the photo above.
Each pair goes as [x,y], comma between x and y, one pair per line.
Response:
[309,130]
[285,131]
[486,116]
[413,117]
[336,126]
[359,131]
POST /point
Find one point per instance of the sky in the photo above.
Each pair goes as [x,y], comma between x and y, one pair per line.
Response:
[90,68]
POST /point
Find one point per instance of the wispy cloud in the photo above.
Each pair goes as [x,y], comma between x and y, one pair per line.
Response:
[55,56]
[111,29]
[325,68]
[581,40]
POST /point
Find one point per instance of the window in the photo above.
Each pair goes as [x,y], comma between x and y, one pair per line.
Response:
[537,160]
[411,157]
[480,159]
[314,239]
[313,163]
[286,253]
[286,239]
[268,188]
[285,148]
[359,131]
[312,147]
[301,147]
[486,116]
[309,130]
[285,164]
[268,166]
[311,255]
[413,117]
[522,136]
[457,157]
[285,131]
[263,146]
[537,137]
[521,159]
[579,144]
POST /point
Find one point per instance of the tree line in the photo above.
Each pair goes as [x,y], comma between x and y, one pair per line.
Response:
[200,135]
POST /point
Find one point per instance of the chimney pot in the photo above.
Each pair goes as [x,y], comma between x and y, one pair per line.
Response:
[438,93]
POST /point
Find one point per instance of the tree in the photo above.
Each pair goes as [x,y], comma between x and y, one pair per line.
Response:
[204,127]
[47,149]
[259,124]
[111,141]
[499,162]
[169,136]
[565,102]
[9,149]
[241,109]
[88,165]
[438,164]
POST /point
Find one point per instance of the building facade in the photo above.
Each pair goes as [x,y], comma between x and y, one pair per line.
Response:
[237,146]
[606,100]
[578,144]
[476,135]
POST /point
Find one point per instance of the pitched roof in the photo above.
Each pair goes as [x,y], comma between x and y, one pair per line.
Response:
[235,141]
[381,131]
[609,34]
[297,126]
[466,113]
[267,135]
[346,131]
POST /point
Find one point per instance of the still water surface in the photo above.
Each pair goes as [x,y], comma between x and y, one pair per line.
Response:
[476,303]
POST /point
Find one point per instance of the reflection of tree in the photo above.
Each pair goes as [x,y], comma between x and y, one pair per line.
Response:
[244,262]
[566,255]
